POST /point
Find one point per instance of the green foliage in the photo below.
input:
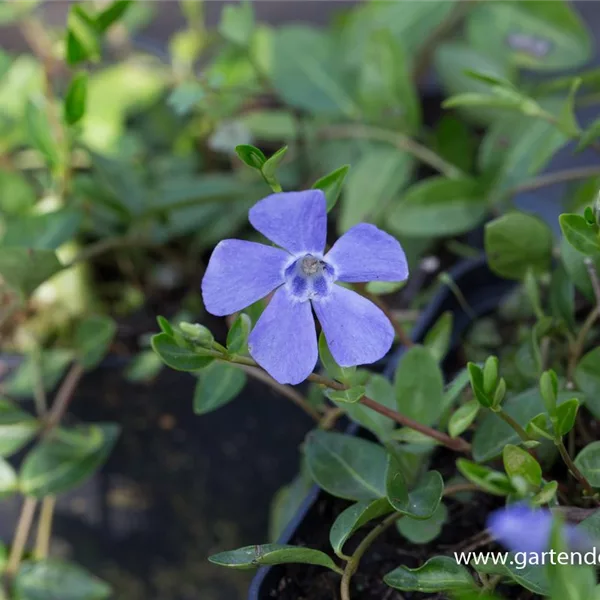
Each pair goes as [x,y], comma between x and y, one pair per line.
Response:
[92,339]
[519,463]
[580,234]
[493,482]
[332,185]
[218,384]
[75,98]
[588,461]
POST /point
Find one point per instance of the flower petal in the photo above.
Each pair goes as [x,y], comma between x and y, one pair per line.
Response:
[357,332]
[296,221]
[284,341]
[240,273]
[366,253]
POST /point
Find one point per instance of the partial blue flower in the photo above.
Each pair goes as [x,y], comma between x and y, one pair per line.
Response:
[284,341]
[524,529]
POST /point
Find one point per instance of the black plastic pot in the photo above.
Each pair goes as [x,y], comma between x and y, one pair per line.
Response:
[483,291]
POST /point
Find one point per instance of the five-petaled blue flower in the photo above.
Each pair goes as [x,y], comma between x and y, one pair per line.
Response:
[284,340]
[524,529]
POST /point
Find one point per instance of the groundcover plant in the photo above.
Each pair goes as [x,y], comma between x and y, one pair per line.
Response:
[129,177]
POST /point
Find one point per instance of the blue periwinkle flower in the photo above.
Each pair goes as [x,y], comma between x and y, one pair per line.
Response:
[284,340]
[524,529]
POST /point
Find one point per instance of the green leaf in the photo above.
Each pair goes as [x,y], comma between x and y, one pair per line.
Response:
[346,466]
[419,503]
[455,142]
[196,333]
[380,288]
[112,13]
[349,396]
[539,427]
[178,357]
[65,459]
[519,463]
[165,326]
[332,184]
[549,390]
[343,374]
[463,417]
[516,242]
[93,337]
[589,136]
[17,428]
[500,98]
[305,72]
[385,88]
[54,578]
[419,386]
[476,379]
[237,23]
[185,97]
[353,518]
[8,479]
[566,414]
[251,557]
[530,576]
[439,207]
[546,494]
[587,377]
[217,385]
[583,237]
[144,367]
[237,336]
[39,131]
[574,263]
[286,502]
[372,184]
[269,168]
[75,99]
[423,531]
[83,40]
[588,462]
[534,35]
[45,231]
[24,269]
[437,340]
[562,297]
[438,574]
[487,479]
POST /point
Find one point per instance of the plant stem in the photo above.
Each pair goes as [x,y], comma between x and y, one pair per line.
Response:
[64,397]
[285,390]
[401,141]
[42,543]
[558,177]
[21,536]
[457,444]
[573,468]
[508,419]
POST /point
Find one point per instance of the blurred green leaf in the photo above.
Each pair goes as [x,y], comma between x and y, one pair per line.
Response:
[438,574]
[493,482]
[177,357]
[83,39]
[46,231]
[16,195]
[455,142]
[144,367]
[54,363]
[251,155]
[590,135]
[534,35]
[439,207]
[517,242]
[583,237]
[237,22]
[237,336]
[269,168]
[562,297]
[11,11]
[60,463]
[437,339]
[372,184]
[111,14]
[588,462]
[218,384]
[40,132]
[92,339]
[587,377]
[346,466]
[24,269]
[462,418]
[75,99]
[17,428]
[423,531]
[332,184]
[185,97]
[8,479]
[519,463]
[574,264]
[252,557]
[54,578]
[566,414]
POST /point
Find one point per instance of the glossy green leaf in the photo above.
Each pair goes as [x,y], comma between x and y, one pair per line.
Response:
[54,578]
[566,414]
[332,184]
[373,183]
[75,99]
[353,518]
[251,557]
[343,374]
[418,503]
[114,12]
[438,574]
[519,463]
[516,242]
[24,269]
[534,35]
[65,459]
[546,494]
[346,466]
[439,207]
[539,427]
[437,340]
[269,168]
[165,326]
[419,386]
[588,462]
[237,336]
[83,39]
[476,379]
[17,428]
[178,357]
[583,237]
[46,231]
[92,339]
[423,531]
[462,418]
[218,384]
[487,479]
[237,23]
